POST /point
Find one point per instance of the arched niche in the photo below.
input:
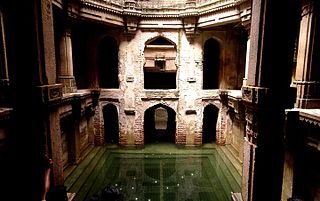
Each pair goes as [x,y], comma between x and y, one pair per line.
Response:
[159,124]
[111,124]
[160,68]
[211,64]
[210,116]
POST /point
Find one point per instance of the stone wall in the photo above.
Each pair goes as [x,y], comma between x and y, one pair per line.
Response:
[187,100]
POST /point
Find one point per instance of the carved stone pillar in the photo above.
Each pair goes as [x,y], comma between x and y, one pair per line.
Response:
[266,95]
[4,76]
[99,126]
[65,70]
[307,78]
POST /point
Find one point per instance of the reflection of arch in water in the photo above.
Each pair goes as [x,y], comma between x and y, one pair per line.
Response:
[210,116]
[159,124]
[111,124]
[160,168]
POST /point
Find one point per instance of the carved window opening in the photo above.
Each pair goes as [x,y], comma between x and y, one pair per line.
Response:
[160,64]
[160,67]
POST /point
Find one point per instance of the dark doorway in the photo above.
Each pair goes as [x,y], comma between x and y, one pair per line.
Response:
[211,64]
[111,124]
[108,63]
[210,116]
[159,124]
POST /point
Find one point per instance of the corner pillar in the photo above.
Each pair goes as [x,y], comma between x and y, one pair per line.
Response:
[66,76]
[307,78]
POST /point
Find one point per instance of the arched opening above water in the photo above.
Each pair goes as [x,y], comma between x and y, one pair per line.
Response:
[159,124]
[210,116]
[111,124]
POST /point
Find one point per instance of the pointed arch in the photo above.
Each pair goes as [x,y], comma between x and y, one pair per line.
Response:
[160,67]
[211,64]
[210,116]
[159,124]
[111,124]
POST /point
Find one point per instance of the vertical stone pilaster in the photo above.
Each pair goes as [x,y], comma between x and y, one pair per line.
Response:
[198,137]
[138,131]
[181,138]
[247,63]
[98,126]
[56,147]
[90,122]
[4,75]
[48,42]
[221,127]
[75,138]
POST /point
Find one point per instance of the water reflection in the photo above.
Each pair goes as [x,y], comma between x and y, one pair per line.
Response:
[153,177]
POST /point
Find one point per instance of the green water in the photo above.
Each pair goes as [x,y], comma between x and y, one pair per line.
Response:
[164,177]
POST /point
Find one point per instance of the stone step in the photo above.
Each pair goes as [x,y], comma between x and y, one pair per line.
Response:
[75,176]
[230,167]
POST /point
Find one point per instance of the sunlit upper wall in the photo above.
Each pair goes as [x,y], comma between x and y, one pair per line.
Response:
[187,14]
[145,5]
[164,3]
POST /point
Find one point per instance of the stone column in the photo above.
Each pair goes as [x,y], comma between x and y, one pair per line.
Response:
[306,78]
[266,95]
[247,63]
[4,76]
[66,64]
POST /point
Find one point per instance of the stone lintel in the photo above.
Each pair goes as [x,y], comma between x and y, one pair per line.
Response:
[114,100]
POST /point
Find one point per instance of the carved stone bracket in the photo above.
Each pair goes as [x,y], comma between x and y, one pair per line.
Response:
[190,25]
[50,94]
[130,25]
[255,95]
